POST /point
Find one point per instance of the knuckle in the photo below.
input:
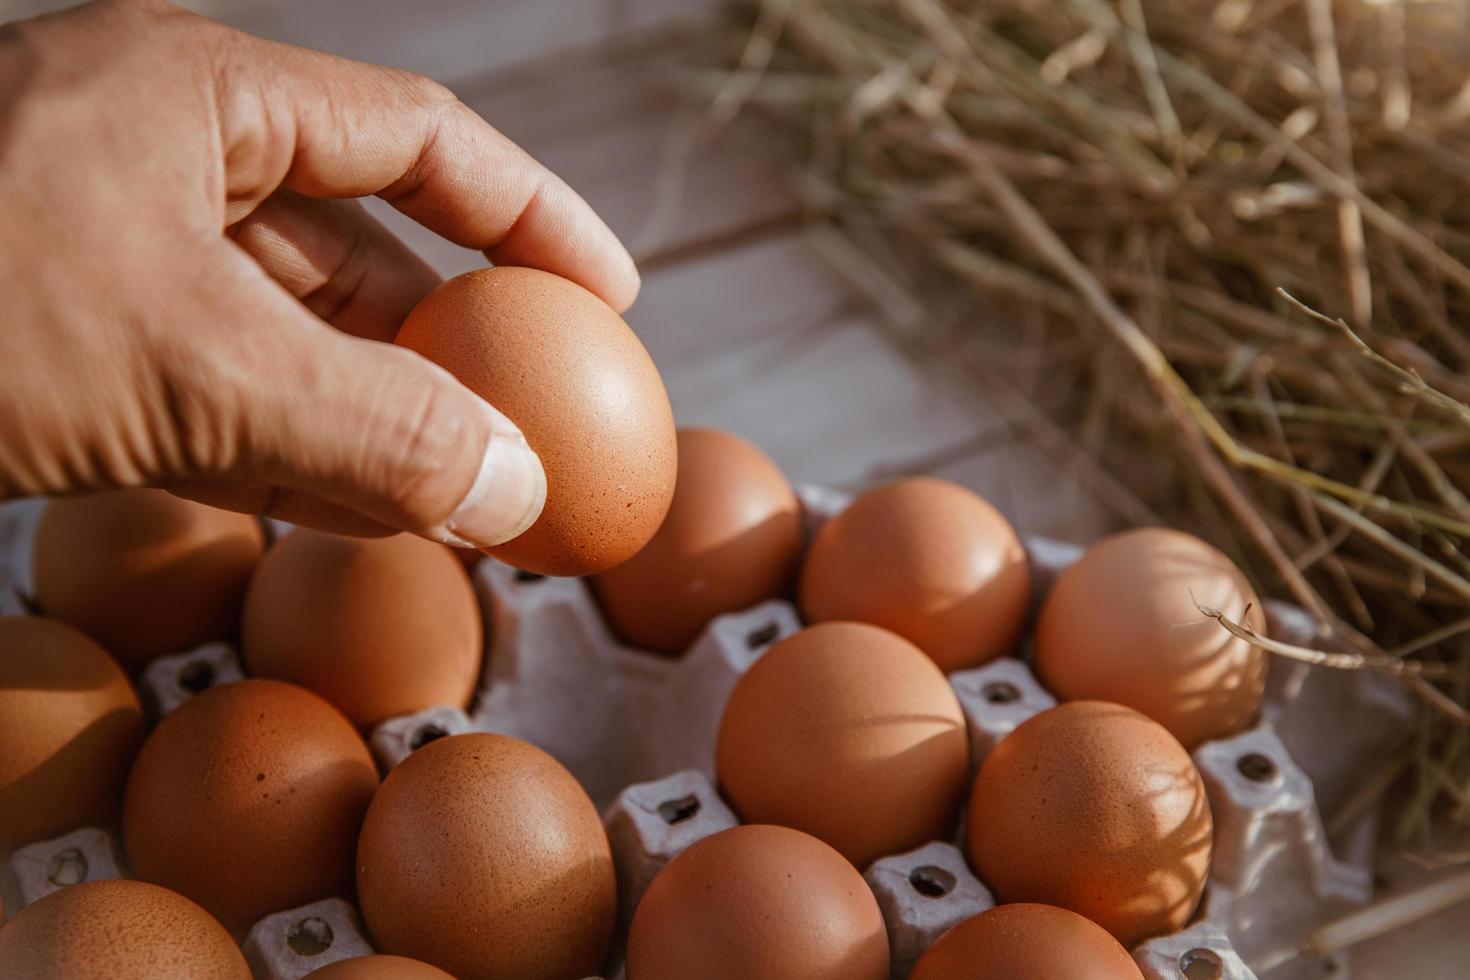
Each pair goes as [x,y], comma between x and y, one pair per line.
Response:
[433,436]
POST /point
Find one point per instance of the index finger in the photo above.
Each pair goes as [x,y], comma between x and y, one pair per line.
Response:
[331,127]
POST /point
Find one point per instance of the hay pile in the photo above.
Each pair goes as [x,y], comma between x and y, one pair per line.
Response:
[1155,199]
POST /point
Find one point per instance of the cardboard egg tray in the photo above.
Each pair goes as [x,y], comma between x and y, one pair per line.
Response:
[639,731]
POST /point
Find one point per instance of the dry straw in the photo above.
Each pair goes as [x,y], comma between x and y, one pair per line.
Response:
[1221,245]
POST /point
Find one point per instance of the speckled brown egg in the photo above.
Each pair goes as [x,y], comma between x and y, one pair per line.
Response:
[758,902]
[1124,625]
[143,572]
[731,539]
[69,727]
[565,368]
[927,559]
[483,856]
[248,799]
[1095,808]
[118,930]
[379,967]
[377,626]
[1026,942]
[849,733]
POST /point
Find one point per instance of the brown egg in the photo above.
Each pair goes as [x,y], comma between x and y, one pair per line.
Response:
[930,561]
[483,856]
[758,902]
[1123,625]
[1026,942]
[377,626]
[379,967]
[117,930]
[144,572]
[849,733]
[1095,808]
[70,725]
[248,799]
[731,539]
[565,368]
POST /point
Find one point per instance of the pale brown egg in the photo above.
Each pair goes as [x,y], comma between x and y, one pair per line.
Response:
[1095,808]
[927,559]
[758,902]
[483,856]
[849,733]
[564,367]
[379,967]
[143,572]
[248,799]
[1124,625]
[1026,942]
[117,930]
[70,725]
[731,539]
[377,626]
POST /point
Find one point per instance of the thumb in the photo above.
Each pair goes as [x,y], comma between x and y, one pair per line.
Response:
[369,427]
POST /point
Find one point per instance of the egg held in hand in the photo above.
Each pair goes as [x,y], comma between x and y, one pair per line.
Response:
[849,733]
[1124,624]
[732,539]
[1095,808]
[564,367]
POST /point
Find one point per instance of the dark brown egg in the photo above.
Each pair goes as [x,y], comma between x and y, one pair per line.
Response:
[930,561]
[1124,625]
[1026,942]
[117,930]
[849,733]
[379,967]
[565,368]
[248,799]
[483,856]
[377,626]
[69,727]
[144,572]
[731,539]
[758,902]
[1095,808]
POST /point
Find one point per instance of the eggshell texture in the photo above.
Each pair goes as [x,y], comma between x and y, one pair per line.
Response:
[143,572]
[377,626]
[117,930]
[483,856]
[1095,808]
[930,561]
[1123,625]
[565,368]
[379,968]
[1026,942]
[849,733]
[758,902]
[732,538]
[70,725]
[248,799]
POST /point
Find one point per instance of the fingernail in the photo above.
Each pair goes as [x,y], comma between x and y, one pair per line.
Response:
[506,498]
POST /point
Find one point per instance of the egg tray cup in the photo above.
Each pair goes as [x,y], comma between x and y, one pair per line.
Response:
[638,730]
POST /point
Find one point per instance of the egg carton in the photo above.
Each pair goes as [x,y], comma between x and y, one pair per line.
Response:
[638,730]
[36,870]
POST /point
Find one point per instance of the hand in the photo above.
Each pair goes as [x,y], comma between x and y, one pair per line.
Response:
[175,256]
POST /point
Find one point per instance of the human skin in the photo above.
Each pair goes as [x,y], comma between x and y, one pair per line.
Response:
[191,302]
